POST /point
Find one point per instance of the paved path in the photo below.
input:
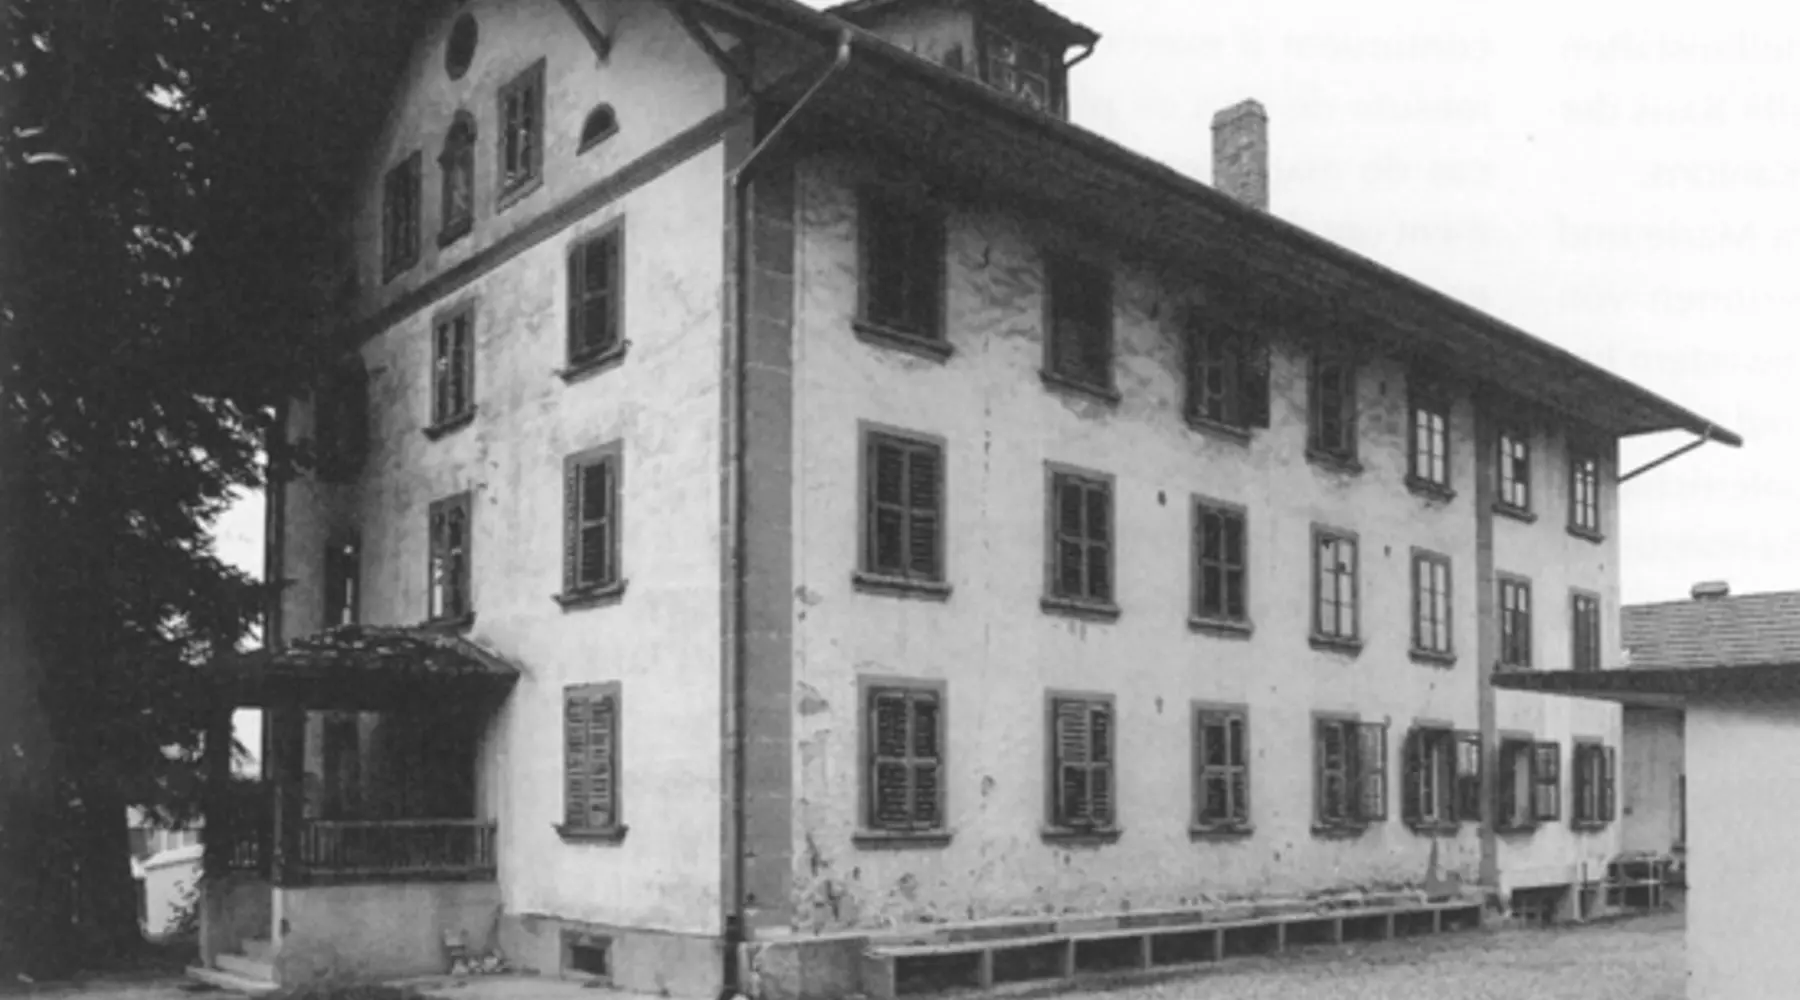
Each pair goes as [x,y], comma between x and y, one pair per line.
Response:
[1637,959]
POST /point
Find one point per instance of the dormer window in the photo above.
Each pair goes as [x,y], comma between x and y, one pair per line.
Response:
[1021,69]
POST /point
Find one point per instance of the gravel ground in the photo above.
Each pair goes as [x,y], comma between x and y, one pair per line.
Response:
[1640,959]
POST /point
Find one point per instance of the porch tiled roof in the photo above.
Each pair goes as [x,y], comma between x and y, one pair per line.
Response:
[1714,632]
[363,666]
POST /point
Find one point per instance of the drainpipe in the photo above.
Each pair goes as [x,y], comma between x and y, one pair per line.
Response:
[274,532]
[741,178]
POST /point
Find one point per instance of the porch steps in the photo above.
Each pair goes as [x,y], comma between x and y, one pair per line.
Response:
[234,981]
[257,949]
[1163,948]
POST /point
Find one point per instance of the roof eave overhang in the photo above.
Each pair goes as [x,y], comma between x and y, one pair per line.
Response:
[1664,687]
[932,111]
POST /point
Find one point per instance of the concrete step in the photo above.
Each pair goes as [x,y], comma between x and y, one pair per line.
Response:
[257,949]
[230,981]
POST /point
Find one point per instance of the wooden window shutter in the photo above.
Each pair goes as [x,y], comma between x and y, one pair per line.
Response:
[923,520]
[927,784]
[571,526]
[1100,784]
[1410,810]
[577,305]
[1608,794]
[887,495]
[575,758]
[889,799]
[1253,381]
[602,736]
[596,523]
[1074,742]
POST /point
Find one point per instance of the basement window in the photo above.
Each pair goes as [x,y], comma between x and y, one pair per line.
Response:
[587,955]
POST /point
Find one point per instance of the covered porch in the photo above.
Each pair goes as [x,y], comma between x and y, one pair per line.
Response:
[365,850]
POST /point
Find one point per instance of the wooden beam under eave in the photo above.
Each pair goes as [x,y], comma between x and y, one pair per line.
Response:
[597,39]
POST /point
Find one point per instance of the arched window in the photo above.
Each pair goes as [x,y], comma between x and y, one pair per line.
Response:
[601,123]
[457,164]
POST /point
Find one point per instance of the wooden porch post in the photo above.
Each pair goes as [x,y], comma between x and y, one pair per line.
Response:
[287,748]
[218,834]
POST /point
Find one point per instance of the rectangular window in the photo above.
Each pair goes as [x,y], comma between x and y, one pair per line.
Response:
[1081,323]
[596,297]
[1468,777]
[1019,69]
[1515,786]
[1081,532]
[1431,603]
[1584,493]
[591,519]
[449,583]
[1332,405]
[400,194]
[1221,563]
[1431,774]
[1584,626]
[1350,760]
[1429,438]
[591,759]
[1334,585]
[903,266]
[1546,781]
[903,507]
[1515,470]
[1515,622]
[343,573]
[1081,747]
[1228,378]
[521,131]
[453,367]
[1594,803]
[905,740]
[1221,769]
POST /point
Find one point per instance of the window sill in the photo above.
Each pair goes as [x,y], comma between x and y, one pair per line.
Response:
[1507,668]
[594,835]
[592,597]
[1219,429]
[594,140]
[1220,831]
[1335,644]
[1433,827]
[1339,831]
[900,586]
[1432,657]
[1079,838]
[1588,825]
[446,427]
[1516,513]
[1586,534]
[1430,490]
[901,839]
[920,344]
[509,195]
[450,234]
[1104,393]
[1515,829]
[1334,462]
[460,623]
[585,368]
[1224,628]
[1100,611]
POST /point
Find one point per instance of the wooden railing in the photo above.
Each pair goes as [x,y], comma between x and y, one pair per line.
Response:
[397,848]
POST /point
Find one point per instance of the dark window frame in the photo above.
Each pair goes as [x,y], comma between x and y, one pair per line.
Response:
[452,387]
[1062,821]
[343,579]
[1203,609]
[872,828]
[452,603]
[1086,598]
[1234,818]
[1513,468]
[1584,492]
[580,808]
[1337,636]
[1546,781]
[912,446]
[456,180]
[1594,802]
[1365,791]
[1585,630]
[1428,447]
[907,237]
[1469,751]
[583,356]
[1227,377]
[1054,73]
[511,181]
[1515,608]
[1426,565]
[1337,365]
[402,189]
[1428,796]
[1074,286]
[1515,767]
[578,589]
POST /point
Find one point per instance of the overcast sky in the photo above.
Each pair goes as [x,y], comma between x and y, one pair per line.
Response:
[1622,180]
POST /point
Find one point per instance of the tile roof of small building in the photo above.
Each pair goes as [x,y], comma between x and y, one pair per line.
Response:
[1715,631]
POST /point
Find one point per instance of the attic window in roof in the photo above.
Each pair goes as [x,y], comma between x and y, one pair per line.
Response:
[1019,69]
[460,51]
[600,125]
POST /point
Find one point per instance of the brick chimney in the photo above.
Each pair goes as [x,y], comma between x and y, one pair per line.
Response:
[1241,153]
[1710,590]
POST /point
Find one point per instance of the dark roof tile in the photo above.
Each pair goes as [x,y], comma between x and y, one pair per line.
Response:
[1714,632]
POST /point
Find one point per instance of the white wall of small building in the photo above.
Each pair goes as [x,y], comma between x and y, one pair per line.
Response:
[1652,764]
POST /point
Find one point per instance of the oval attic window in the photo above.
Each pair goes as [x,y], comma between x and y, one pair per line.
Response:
[461,49]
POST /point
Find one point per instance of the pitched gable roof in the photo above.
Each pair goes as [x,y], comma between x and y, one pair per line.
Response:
[1714,632]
